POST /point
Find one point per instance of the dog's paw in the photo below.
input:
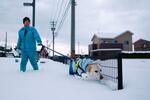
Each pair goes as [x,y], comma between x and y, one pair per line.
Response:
[84,76]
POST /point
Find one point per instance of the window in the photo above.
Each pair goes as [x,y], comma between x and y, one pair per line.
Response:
[114,41]
[144,45]
[126,42]
[104,41]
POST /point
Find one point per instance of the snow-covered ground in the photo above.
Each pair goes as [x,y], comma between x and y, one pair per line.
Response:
[52,82]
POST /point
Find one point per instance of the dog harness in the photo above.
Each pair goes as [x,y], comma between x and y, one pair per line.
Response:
[81,65]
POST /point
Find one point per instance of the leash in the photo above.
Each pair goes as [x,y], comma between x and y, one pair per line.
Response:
[83,71]
[57,52]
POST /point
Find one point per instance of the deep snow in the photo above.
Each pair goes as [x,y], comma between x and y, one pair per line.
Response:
[52,82]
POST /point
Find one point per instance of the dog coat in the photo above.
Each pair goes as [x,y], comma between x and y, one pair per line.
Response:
[81,65]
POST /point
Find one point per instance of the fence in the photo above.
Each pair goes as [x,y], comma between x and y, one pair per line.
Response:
[111,68]
[111,65]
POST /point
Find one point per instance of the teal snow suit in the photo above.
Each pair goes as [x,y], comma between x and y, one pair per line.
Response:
[27,38]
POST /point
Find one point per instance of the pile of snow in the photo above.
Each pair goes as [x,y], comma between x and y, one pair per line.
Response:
[52,82]
[130,52]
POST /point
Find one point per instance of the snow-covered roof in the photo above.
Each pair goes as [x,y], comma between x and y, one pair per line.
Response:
[105,35]
[135,52]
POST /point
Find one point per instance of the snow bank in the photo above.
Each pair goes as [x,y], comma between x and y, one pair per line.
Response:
[52,82]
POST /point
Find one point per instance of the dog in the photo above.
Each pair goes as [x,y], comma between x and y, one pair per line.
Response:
[94,71]
[87,69]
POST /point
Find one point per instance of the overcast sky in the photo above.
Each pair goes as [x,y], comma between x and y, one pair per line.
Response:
[92,16]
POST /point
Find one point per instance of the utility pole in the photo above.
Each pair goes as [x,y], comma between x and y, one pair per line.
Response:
[78,47]
[33,12]
[73,4]
[33,15]
[53,32]
[5,43]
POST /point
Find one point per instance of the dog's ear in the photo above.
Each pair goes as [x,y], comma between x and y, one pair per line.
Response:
[89,67]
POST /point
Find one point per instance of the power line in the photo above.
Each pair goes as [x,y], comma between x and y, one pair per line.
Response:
[55,14]
[60,10]
[71,4]
[51,14]
[63,17]
[52,10]
[57,10]
[62,14]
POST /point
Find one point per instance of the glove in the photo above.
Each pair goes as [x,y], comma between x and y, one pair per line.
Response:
[39,47]
[15,48]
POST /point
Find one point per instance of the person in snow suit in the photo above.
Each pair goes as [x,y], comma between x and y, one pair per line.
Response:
[27,38]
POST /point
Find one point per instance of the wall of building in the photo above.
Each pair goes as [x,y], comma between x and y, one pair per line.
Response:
[126,40]
[142,45]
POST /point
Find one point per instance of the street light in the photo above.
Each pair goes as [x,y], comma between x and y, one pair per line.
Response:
[27,4]
[33,16]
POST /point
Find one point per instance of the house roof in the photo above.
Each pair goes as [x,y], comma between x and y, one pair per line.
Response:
[109,35]
[141,40]
[104,35]
[126,32]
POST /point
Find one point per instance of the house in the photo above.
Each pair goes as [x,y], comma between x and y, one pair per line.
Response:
[122,41]
[142,45]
